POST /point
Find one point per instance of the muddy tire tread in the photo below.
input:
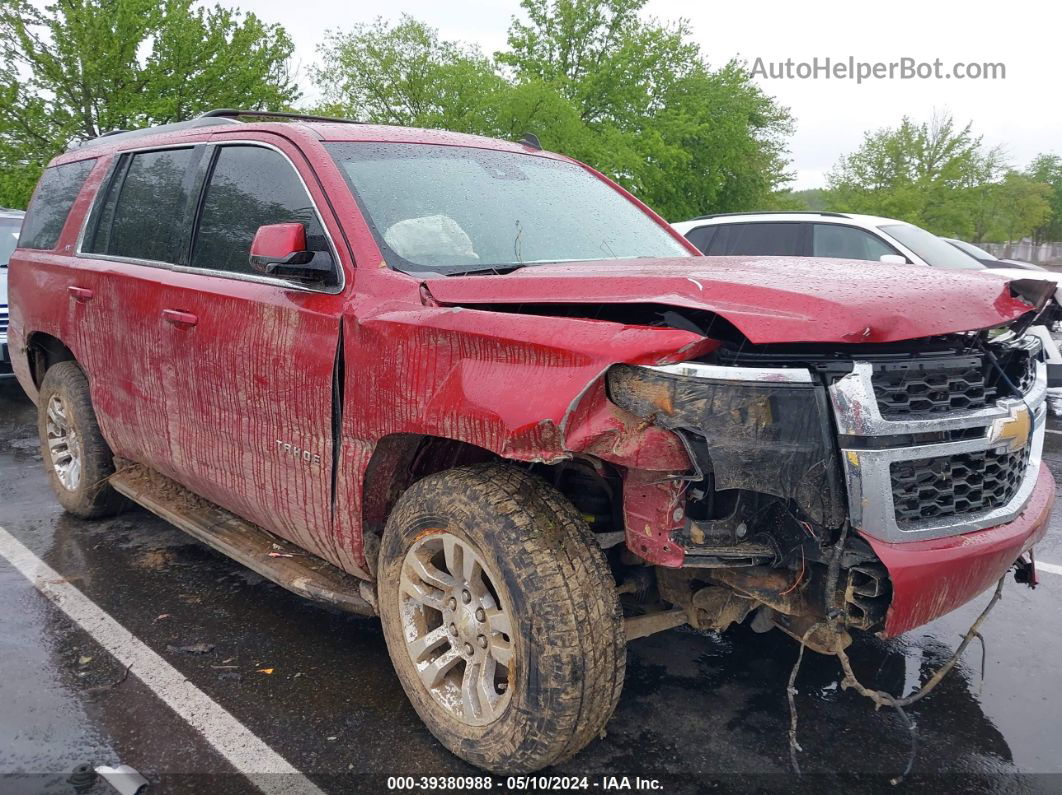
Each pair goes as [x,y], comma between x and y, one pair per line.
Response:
[576,627]
[94,497]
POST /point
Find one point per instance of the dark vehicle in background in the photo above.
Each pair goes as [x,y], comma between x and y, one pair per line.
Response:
[10,225]
[990,260]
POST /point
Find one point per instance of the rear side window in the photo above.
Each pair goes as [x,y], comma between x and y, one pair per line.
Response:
[250,186]
[846,242]
[141,216]
[51,203]
[760,240]
[701,237]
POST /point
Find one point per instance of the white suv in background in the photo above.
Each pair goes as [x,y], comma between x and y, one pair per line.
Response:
[10,225]
[855,237]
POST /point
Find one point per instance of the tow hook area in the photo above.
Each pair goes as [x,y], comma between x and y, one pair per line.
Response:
[777,598]
[1025,571]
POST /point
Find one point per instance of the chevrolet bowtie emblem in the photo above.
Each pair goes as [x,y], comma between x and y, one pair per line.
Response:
[1012,431]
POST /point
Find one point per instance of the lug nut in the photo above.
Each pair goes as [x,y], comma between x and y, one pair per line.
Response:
[481,614]
[452,603]
[482,641]
[468,649]
[453,629]
[466,597]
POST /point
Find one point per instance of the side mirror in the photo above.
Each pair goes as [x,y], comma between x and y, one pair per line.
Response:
[280,250]
[893,259]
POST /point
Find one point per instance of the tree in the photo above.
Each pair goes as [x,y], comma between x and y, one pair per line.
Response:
[1019,205]
[631,97]
[77,68]
[927,174]
[683,137]
[1047,169]
[405,74]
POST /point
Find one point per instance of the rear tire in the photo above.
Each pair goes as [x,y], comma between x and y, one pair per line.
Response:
[76,457]
[491,544]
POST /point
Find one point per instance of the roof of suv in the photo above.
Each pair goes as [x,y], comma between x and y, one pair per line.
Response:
[851,219]
[289,125]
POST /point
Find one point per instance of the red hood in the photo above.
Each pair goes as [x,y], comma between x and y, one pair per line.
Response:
[769,299]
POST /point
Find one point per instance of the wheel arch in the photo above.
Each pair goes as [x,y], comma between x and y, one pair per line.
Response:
[398,461]
[43,351]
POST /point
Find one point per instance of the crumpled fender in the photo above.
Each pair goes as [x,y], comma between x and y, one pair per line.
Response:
[529,388]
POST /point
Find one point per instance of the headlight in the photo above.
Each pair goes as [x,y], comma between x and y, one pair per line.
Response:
[763,429]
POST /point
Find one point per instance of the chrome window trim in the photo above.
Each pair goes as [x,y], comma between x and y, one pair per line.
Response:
[722,372]
[241,277]
[867,471]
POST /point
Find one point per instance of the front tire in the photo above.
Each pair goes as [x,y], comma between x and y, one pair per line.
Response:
[501,617]
[76,456]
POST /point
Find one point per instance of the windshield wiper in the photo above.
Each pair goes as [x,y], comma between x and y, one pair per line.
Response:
[495,270]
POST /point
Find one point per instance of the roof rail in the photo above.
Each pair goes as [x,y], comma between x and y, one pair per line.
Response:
[232,113]
[210,118]
[827,213]
[123,135]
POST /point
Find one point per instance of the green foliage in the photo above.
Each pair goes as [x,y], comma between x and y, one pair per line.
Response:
[404,74]
[808,199]
[76,68]
[1020,205]
[940,176]
[1047,169]
[631,97]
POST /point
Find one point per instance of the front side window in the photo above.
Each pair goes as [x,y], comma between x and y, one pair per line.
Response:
[249,187]
[51,203]
[934,251]
[754,239]
[455,209]
[847,242]
[142,215]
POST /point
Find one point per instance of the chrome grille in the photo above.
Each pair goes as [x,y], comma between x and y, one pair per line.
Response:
[959,383]
[956,485]
[937,461]
[3,320]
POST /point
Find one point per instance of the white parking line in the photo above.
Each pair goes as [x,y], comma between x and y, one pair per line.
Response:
[263,766]
[1051,568]
[1051,430]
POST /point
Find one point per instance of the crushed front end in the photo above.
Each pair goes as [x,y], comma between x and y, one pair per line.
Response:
[882,485]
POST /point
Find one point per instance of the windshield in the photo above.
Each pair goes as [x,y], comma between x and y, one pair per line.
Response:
[972,250]
[934,250]
[8,238]
[453,209]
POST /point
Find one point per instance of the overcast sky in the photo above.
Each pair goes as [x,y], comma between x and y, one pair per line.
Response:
[1023,112]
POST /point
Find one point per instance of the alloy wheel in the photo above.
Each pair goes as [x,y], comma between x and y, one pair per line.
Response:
[64,447]
[458,632]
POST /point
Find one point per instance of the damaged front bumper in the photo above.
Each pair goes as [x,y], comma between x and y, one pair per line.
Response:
[933,577]
[936,502]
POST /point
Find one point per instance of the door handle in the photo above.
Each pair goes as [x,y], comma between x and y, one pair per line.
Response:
[81,294]
[178,318]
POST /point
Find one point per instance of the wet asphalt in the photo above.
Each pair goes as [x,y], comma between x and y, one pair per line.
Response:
[699,712]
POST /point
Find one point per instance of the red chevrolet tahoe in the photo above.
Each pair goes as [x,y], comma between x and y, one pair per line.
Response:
[481,391]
